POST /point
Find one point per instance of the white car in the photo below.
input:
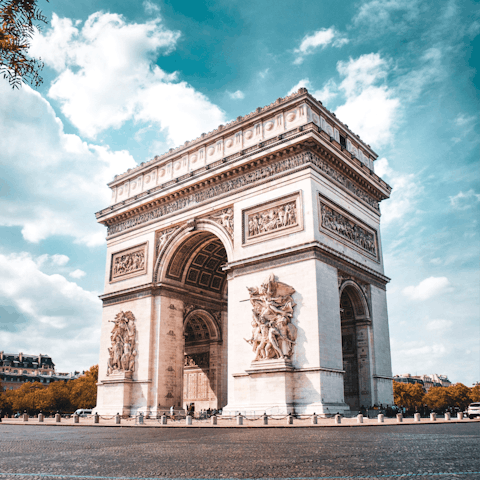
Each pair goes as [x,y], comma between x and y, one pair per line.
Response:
[473,410]
[83,412]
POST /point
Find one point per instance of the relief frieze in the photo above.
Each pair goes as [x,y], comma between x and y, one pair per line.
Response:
[255,176]
[129,263]
[348,229]
[273,219]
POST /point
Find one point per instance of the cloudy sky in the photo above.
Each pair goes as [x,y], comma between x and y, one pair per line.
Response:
[125,81]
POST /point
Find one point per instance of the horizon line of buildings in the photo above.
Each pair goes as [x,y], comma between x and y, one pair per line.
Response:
[426,381]
[19,368]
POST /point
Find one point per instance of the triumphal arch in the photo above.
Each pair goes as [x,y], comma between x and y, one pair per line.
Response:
[245,272]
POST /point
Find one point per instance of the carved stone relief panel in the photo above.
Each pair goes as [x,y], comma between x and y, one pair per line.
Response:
[129,263]
[121,354]
[273,334]
[344,226]
[225,219]
[273,219]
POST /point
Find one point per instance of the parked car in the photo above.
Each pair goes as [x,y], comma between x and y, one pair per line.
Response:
[83,412]
[473,410]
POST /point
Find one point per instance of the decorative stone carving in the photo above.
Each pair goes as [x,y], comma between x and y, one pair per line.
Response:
[197,360]
[256,176]
[345,227]
[273,219]
[162,238]
[129,263]
[122,352]
[225,219]
[273,334]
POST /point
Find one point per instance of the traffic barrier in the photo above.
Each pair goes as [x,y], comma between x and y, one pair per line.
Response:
[460,415]
[96,418]
[338,419]
[75,418]
[289,419]
[314,419]
[58,418]
[239,419]
[381,418]
[433,417]
[416,417]
[163,420]
[447,416]
[188,420]
[265,419]
[359,418]
[213,419]
[118,419]
[25,417]
[40,417]
[399,418]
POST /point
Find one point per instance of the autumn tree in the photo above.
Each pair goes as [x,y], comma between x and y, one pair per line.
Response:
[459,395]
[84,389]
[19,21]
[408,395]
[438,398]
[475,393]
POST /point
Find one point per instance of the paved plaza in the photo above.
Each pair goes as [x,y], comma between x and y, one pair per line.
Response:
[390,451]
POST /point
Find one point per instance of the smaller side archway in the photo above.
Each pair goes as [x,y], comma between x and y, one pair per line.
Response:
[356,350]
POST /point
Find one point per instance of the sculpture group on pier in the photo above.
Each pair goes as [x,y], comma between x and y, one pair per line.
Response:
[122,352]
[273,335]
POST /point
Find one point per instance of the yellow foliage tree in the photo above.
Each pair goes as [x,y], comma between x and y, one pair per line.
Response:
[408,395]
[475,393]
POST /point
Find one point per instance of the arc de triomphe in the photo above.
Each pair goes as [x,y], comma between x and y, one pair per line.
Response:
[245,272]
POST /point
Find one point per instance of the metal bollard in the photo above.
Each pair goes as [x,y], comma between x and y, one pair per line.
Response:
[447,416]
[460,415]
[188,420]
[75,418]
[163,420]
[58,418]
[338,419]
[416,417]
[239,420]
[433,417]
[118,419]
[359,418]
[289,419]
[96,418]
[381,418]
[213,419]
[399,418]
[265,418]
[314,419]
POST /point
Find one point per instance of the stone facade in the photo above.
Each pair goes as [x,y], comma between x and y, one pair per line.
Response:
[250,259]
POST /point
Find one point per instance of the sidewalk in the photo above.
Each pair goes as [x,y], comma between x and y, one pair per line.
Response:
[229,422]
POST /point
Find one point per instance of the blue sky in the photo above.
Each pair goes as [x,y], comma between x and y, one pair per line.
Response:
[125,81]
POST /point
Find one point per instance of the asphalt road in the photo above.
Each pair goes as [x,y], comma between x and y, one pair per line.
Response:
[444,451]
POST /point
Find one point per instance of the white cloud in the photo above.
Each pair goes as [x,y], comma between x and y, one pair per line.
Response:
[47,312]
[56,182]
[329,91]
[56,259]
[150,7]
[319,39]
[439,325]
[106,77]
[303,83]
[380,16]
[238,95]
[370,109]
[428,288]
[406,192]
[464,201]
[77,273]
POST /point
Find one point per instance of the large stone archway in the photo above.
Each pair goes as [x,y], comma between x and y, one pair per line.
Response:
[227,260]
